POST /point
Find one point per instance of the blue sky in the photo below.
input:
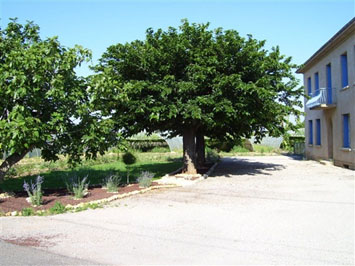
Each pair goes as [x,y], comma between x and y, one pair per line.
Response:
[298,27]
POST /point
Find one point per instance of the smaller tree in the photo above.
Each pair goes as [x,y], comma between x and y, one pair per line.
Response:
[43,104]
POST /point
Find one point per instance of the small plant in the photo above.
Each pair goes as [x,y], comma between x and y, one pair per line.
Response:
[28,212]
[57,208]
[128,158]
[145,179]
[77,187]
[112,182]
[34,191]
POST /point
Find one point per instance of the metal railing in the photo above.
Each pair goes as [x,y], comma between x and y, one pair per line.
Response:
[324,97]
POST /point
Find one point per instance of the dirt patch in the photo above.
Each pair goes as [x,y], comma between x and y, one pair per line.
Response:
[50,197]
[31,241]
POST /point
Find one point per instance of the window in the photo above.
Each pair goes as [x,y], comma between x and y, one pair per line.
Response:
[346,131]
[344,70]
[329,84]
[318,135]
[309,87]
[316,83]
[310,132]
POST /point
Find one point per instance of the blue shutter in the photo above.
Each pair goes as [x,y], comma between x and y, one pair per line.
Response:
[310,131]
[346,131]
[318,140]
[329,84]
[344,70]
[309,86]
[316,83]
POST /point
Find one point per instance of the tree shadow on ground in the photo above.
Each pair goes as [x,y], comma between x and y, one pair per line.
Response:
[230,167]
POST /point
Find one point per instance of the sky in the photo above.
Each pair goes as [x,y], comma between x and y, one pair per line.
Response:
[298,27]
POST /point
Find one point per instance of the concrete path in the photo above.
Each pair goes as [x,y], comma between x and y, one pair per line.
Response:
[254,210]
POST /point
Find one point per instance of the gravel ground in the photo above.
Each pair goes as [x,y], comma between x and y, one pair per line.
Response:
[253,210]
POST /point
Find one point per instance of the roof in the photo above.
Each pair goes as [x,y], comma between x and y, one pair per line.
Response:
[342,34]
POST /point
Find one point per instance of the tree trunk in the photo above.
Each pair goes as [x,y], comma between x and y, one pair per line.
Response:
[189,147]
[10,161]
[200,149]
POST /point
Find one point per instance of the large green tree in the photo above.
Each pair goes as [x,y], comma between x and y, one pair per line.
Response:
[196,82]
[42,101]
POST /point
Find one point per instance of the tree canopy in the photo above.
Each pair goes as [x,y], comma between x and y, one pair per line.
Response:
[196,82]
[41,98]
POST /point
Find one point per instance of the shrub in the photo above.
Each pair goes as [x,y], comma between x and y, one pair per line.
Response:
[34,191]
[128,158]
[57,208]
[28,211]
[145,179]
[77,187]
[112,182]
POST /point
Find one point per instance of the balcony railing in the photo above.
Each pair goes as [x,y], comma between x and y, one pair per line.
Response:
[324,98]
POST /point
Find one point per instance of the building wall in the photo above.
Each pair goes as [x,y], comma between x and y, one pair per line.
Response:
[345,103]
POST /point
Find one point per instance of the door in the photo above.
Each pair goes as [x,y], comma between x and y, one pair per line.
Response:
[330,138]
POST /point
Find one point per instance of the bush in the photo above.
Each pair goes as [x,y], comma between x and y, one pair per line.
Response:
[77,187]
[28,212]
[146,145]
[128,158]
[112,182]
[34,191]
[145,179]
[220,145]
[57,208]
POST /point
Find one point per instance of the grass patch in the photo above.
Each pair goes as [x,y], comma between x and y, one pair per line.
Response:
[97,171]
[57,208]
[259,150]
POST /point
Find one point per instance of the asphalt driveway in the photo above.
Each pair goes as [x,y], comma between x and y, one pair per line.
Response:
[253,210]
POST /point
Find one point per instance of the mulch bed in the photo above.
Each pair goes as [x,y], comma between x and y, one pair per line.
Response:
[18,201]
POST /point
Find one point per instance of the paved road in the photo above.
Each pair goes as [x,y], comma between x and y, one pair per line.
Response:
[19,255]
[253,210]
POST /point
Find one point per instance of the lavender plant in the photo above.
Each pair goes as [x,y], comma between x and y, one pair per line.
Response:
[34,191]
[112,182]
[145,179]
[78,187]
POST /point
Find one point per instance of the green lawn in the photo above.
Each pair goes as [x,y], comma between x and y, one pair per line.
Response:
[55,173]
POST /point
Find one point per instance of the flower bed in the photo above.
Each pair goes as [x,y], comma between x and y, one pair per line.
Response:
[14,204]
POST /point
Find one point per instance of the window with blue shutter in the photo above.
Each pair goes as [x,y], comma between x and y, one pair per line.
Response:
[346,131]
[310,132]
[309,87]
[329,84]
[344,70]
[316,83]
[318,134]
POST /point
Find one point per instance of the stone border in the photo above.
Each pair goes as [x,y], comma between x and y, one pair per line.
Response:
[210,171]
[120,196]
